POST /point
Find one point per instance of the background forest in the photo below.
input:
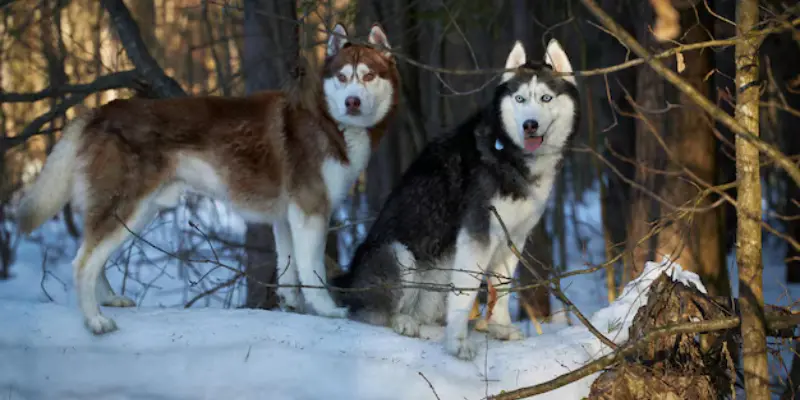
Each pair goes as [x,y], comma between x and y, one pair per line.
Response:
[651,172]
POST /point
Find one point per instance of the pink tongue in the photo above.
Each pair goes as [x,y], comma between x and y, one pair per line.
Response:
[531,144]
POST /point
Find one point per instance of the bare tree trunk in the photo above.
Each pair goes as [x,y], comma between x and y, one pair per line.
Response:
[697,239]
[748,238]
[406,134]
[54,52]
[130,36]
[145,13]
[539,252]
[650,93]
[693,240]
[271,42]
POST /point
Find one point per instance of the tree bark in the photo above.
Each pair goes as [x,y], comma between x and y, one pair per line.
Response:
[539,251]
[748,238]
[131,38]
[650,92]
[698,237]
[406,134]
[692,240]
[270,44]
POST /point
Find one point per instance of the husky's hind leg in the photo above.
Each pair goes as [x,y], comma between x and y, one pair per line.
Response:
[103,236]
[405,325]
[308,240]
[403,320]
[289,295]
[107,297]
[472,257]
[501,274]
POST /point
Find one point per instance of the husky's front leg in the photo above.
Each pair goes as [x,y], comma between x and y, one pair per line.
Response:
[288,280]
[308,237]
[470,261]
[502,273]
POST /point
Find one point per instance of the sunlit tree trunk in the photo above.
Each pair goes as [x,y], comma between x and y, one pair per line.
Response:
[649,95]
[692,239]
[748,233]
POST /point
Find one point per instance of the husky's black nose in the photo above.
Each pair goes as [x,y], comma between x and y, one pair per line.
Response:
[530,126]
[352,103]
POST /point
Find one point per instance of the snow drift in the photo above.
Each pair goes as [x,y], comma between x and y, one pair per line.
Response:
[251,354]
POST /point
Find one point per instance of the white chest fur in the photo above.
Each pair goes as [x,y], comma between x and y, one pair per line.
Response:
[520,216]
[339,177]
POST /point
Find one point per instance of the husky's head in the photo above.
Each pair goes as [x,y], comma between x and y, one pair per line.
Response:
[538,108]
[360,82]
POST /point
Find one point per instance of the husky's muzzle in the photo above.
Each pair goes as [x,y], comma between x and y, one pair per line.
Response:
[532,141]
[353,105]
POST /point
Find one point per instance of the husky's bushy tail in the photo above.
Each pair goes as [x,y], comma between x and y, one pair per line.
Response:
[53,187]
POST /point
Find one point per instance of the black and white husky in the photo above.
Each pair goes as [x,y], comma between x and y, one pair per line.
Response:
[436,227]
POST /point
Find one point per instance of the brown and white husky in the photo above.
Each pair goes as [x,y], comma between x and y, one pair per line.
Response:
[274,160]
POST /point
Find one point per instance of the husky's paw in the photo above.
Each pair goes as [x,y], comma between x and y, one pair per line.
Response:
[330,311]
[289,300]
[504,332]
[100,325]
[405,325]
[481,325]
[461,347]
[119,301]
[291,308]
[335,312]
[323,305]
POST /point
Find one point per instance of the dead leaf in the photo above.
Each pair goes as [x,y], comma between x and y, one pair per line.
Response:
[681,63]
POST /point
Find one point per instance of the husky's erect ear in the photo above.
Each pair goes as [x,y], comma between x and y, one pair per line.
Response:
[556,57]
[515,59]
[337,39]
[378,37]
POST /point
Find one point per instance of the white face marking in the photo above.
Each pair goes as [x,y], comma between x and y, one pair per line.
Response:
[535,101]
[358,81]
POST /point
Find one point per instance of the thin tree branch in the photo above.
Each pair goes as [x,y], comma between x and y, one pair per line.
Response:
[34,128]
[623,36]
[209,292]
[114,80]
[131,39]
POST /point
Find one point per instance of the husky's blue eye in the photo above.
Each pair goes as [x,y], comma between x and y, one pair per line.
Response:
[519,99]
[546,98]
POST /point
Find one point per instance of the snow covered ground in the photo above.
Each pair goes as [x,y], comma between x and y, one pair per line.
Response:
[210,353]
[214,350]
